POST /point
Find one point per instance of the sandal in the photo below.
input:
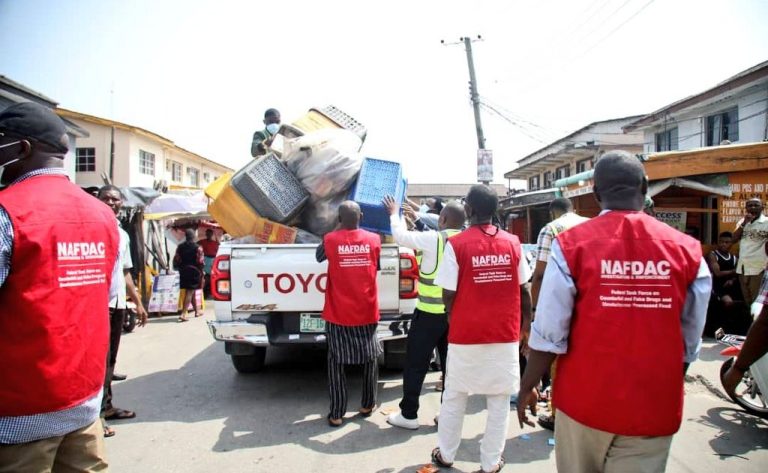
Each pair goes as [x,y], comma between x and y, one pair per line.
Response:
[334,422]
[198,315]
[182,319]
[437,459]
[498,468]
[108,431]
[366,412]
[119,414]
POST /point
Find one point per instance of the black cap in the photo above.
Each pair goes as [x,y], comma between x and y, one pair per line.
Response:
[37,123]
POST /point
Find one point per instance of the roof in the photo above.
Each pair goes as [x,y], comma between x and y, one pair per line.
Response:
[71,114]
[448,190]
[26,90]
[710,160]
[562,144]
[741,79]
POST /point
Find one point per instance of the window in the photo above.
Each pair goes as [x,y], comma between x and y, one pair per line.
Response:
[533,183]
[547,180]
[666,140]
[194,177]
[723,126]
[583,165]
[146,163]
[207,177]
[85,160]
[175,171]
[562,172]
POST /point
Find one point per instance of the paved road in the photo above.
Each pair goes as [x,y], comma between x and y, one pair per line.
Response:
[196,414]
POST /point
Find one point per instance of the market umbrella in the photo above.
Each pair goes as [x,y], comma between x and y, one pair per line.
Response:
[191,204]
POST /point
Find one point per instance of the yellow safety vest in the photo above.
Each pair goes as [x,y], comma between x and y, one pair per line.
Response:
[431,295]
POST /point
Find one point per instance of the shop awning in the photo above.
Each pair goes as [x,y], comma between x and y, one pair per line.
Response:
[527,199]
[715,185]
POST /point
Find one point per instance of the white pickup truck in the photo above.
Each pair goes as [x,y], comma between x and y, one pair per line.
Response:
[270,295]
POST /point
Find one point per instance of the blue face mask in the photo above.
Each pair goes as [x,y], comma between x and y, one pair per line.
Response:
[272,128]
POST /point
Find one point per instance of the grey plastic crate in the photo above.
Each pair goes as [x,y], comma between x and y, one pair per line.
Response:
[344,121]
[270,188]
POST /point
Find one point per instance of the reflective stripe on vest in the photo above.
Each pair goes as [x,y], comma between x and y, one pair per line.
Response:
[431,295]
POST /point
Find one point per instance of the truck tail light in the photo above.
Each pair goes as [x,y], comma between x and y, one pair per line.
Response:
[221,289]
[409,275]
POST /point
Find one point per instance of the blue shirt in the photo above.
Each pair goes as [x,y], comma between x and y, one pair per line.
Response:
[22,429]
[552,326]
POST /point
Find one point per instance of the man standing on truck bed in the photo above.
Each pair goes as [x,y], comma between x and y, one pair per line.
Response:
[351,309]
[263,138]
[429,325]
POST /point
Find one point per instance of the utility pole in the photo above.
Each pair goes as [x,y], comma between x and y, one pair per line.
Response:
[475,97]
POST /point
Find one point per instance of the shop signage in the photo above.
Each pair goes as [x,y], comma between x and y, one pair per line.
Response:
[744,186]
[675,220]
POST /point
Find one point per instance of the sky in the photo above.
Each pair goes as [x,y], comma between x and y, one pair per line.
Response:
[201,73]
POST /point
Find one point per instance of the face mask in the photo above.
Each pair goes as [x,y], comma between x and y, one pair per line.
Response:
[272,128]
[4,165]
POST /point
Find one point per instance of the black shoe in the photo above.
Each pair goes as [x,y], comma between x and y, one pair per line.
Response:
[119,377]
[548,422]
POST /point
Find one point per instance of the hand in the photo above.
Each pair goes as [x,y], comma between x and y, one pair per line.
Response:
[409,213]
[141,313]
[526,399]
[731,379]
[389,204]
[524,335]
[748,217]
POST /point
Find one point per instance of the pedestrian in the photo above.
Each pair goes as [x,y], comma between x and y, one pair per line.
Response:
[351,309]
[210,249]
[752,235]
[727,309]
[626,303]
[189,261]
[263,138]
[563,217]
[58,253]
[113,198]
[429,324]
[485,290]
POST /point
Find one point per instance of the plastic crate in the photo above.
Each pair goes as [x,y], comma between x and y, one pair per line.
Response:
[233,213]
[270,188]
[330,117]
[377,179]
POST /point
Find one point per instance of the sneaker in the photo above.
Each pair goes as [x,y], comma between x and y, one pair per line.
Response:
[398,420]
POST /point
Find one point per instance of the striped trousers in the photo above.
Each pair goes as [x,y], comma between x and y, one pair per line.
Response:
[337,386]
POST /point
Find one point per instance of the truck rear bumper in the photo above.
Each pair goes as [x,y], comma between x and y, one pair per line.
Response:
[256,334]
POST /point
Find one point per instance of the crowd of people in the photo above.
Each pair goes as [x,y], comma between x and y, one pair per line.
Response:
[613,288]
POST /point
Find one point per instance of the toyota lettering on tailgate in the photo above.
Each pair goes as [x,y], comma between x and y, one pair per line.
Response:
[286,283]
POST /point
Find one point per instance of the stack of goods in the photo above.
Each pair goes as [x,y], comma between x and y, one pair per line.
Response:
[317,167]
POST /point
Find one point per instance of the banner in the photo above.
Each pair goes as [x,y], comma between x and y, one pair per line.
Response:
[675,220]
[484,165]
[744,186]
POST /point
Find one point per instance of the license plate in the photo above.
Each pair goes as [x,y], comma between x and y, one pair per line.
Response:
[311,323]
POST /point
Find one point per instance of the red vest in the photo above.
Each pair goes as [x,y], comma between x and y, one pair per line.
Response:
[486,308]
[623,372]
[351,295]
[54,304]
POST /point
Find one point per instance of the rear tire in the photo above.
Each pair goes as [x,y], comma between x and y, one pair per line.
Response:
[760,411]
[253,363]
[129,322]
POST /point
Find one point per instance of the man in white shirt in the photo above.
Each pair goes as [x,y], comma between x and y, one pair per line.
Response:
[752,234]
[429,324]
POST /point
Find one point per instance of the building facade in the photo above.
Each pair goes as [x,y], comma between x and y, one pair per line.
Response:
[566,159]
[732,112]
[134,157]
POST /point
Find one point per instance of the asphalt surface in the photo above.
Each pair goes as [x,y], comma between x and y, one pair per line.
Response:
[197,414]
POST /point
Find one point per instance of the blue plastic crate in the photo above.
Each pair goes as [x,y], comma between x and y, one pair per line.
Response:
[377,179]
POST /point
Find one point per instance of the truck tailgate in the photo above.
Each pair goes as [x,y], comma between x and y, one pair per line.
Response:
[286,278]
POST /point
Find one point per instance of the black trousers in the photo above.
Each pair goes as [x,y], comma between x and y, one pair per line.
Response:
[428,331]
[337,386]
[116,319]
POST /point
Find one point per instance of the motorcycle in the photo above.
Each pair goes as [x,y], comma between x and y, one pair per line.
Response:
[752,390]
